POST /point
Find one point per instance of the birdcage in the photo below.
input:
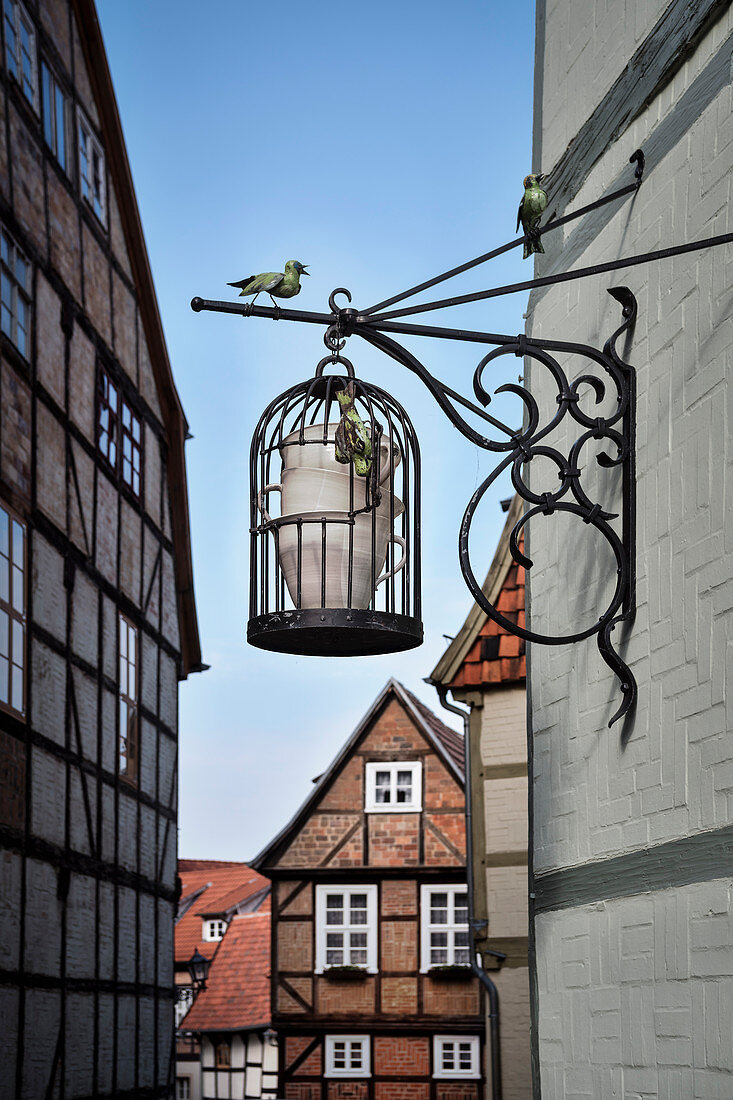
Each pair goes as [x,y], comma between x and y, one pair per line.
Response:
[334,533]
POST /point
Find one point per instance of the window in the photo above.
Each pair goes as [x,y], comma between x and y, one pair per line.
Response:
[55,116]
[346,923]
[127,755]
[223,1055]
[347,1056]
[214,930]
[456,1056]
[15,302]
[393,787]
[184,1000]
[12,613]
[118,432]
[183,1088]
[91,169]
[445,938]
[130,449]
[20,47]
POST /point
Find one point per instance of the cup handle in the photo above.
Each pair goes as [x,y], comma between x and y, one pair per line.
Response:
[391,573]
[261,494]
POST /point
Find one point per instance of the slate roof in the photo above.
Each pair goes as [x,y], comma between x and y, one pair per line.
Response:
[212,888]
[237,994]
[482,653]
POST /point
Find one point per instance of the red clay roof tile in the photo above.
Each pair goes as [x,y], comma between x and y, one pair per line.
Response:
[507,664]
[237,994]
[219,887]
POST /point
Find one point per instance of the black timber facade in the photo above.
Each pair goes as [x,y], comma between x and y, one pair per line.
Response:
[88,764]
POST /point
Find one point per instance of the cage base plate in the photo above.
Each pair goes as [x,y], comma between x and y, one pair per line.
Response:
[334,632]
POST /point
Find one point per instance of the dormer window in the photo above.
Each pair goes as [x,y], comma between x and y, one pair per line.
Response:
[393,787]
[214,930]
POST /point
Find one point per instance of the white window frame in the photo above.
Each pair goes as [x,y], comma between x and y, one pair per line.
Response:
[365,1070]
[213,929]
[451,927]
[323,928]
[56,102]
[22,21]
[15,294]
[373,767]
[183,1088]
[439,1044]
[91,147]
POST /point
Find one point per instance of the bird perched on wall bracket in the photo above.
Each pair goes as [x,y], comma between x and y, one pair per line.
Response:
[531,209]
[282,284]
[352,438]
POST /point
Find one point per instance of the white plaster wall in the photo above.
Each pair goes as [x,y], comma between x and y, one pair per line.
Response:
[635,996]
[638,997]
[675,777]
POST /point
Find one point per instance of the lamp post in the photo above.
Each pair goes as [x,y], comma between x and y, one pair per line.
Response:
[314,543]
[198,967]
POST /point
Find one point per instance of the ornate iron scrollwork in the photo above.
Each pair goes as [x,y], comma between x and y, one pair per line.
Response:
[529,442]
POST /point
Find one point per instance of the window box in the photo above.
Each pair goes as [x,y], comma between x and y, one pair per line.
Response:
[393,786]
[455,973]
[346,973]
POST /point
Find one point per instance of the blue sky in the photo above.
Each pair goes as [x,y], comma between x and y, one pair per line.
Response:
[380,144]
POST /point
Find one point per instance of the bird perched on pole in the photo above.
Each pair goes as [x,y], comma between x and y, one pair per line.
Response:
[282,284]
[531,209]
[352,438]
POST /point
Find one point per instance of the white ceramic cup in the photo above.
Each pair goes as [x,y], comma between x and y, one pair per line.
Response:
[305,489]
[337,558]
[316,454]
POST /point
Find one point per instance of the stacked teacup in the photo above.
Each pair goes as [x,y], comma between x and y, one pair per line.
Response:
[316,488]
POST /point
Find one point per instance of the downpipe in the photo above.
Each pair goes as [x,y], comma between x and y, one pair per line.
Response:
[483,977]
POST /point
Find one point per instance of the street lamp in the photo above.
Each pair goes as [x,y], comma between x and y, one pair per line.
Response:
[198,967]
[316,566]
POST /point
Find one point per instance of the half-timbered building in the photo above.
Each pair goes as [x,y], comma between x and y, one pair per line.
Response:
[97,614]
[225,1026]
[373,994]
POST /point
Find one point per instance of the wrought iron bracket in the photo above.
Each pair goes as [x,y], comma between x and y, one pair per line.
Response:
[611,376]
[520,445]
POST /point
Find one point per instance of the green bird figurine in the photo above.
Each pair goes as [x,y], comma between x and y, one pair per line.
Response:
[352,439]
[283,285]
[531,209]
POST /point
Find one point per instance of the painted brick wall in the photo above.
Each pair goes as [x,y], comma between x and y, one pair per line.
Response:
[630,989]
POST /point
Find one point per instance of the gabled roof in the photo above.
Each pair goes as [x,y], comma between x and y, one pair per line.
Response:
[237,994]
[212,888]
[447,743]
[174,420]
[483,653]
